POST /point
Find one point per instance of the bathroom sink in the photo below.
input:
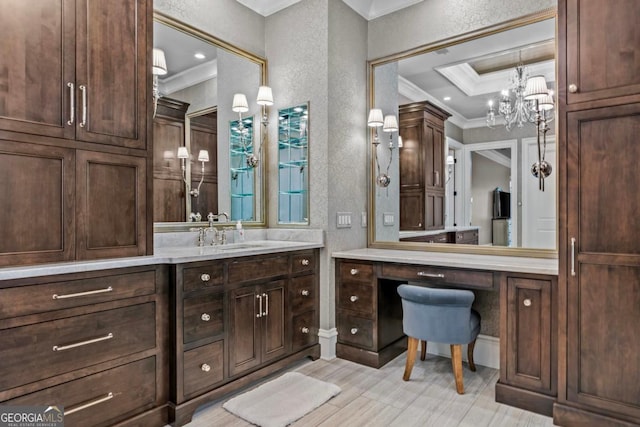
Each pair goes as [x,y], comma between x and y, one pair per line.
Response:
[240,245]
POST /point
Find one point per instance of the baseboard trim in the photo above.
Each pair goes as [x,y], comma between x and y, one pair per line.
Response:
[570,416]
[328,338]
[486,352]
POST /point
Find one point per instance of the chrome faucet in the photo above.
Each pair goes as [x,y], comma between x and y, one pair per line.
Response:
[211,217]
[202,234]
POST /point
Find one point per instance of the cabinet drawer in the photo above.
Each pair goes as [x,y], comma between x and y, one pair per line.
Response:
[440,275]
[357,297]
[24,300]
[302,262]
[202,277]
[31,353]
[305,330]
[203,367]
[260,268]
[356,272]
[355,330]
[203,317]
[101,399]
[303,293]
[468,236]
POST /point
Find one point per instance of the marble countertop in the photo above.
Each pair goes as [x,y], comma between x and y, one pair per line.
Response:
[175,255]
[482,262]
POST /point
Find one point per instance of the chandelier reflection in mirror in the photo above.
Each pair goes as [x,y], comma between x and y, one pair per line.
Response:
[389,125]
[532,102]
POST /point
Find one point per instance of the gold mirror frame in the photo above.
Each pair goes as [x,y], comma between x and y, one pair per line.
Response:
[164,227]
[445,247]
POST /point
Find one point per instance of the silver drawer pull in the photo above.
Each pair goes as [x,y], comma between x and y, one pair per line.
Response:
[205,367]
[81,343]
[82,294]
[425,274]
[304,330]
[205,317]
[354,271]
[353,298]
[205,277]
[260,309]
[527,302]
[304,262]
[74,409]
[354,331]
[573,256]
[304,292]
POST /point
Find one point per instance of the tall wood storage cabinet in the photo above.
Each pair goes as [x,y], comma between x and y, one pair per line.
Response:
[421,166]
[599,292]
[73,130]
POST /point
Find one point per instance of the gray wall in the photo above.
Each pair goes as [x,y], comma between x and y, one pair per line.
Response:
[432,20]
[227,20]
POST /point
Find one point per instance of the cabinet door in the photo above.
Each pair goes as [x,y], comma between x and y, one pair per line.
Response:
[602,63]
[529,361]
[603,277]
[168,187]
[111,195]
[112,72]
[437,157]
[434,210]
[245,314]
[411,155]
[38,62]
[37,211]
[412,210]
[274,321]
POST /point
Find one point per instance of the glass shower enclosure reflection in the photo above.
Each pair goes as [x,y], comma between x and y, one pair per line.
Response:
[242,175]
[293,170]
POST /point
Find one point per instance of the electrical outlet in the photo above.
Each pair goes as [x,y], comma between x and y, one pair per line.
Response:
[344,220]
[363,219]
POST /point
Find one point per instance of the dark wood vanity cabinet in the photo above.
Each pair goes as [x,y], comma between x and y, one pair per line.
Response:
[73,130]
[81,340]
[422,166]
[599,280]
[238,319]
[528,336]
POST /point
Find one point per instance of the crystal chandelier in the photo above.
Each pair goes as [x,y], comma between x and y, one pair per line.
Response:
[513,106]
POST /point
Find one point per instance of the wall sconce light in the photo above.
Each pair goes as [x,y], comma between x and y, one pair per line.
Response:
[159,68]
[536,90]
[389,125]
[183,155]
[240,105]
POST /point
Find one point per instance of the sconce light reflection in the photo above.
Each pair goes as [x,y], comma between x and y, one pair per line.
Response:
[203,157]
[159,68]
[389,125]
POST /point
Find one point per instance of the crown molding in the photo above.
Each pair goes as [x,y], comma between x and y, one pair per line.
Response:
[192,76]
[267,7]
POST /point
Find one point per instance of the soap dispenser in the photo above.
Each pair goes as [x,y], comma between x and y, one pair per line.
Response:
[239,232]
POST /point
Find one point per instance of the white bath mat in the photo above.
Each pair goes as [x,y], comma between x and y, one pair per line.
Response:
[281,401]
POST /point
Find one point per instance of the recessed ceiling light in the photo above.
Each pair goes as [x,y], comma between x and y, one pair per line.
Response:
[199,55]
[447,98]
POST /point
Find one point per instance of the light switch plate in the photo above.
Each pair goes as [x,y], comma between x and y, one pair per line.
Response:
[344,220]
[388,218]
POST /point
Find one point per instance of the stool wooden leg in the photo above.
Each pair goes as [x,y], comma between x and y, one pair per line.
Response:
[456,361]
[412,349]
[470,348]
[423,349]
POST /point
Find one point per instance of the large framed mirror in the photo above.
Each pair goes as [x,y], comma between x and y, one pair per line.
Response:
[457,172]
[196,77]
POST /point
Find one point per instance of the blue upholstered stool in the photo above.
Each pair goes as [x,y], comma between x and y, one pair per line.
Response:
[439,315]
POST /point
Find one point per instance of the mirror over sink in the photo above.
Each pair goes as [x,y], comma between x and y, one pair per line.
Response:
[201,161]
[458,134]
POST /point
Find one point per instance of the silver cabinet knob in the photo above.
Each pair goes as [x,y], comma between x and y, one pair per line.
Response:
[573,88]
[527,302]
[353,298]
[354,331]
[304,292]
[205,277]
[205,317]
[205,367]
[304,262]
[354,271]
[304,330]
